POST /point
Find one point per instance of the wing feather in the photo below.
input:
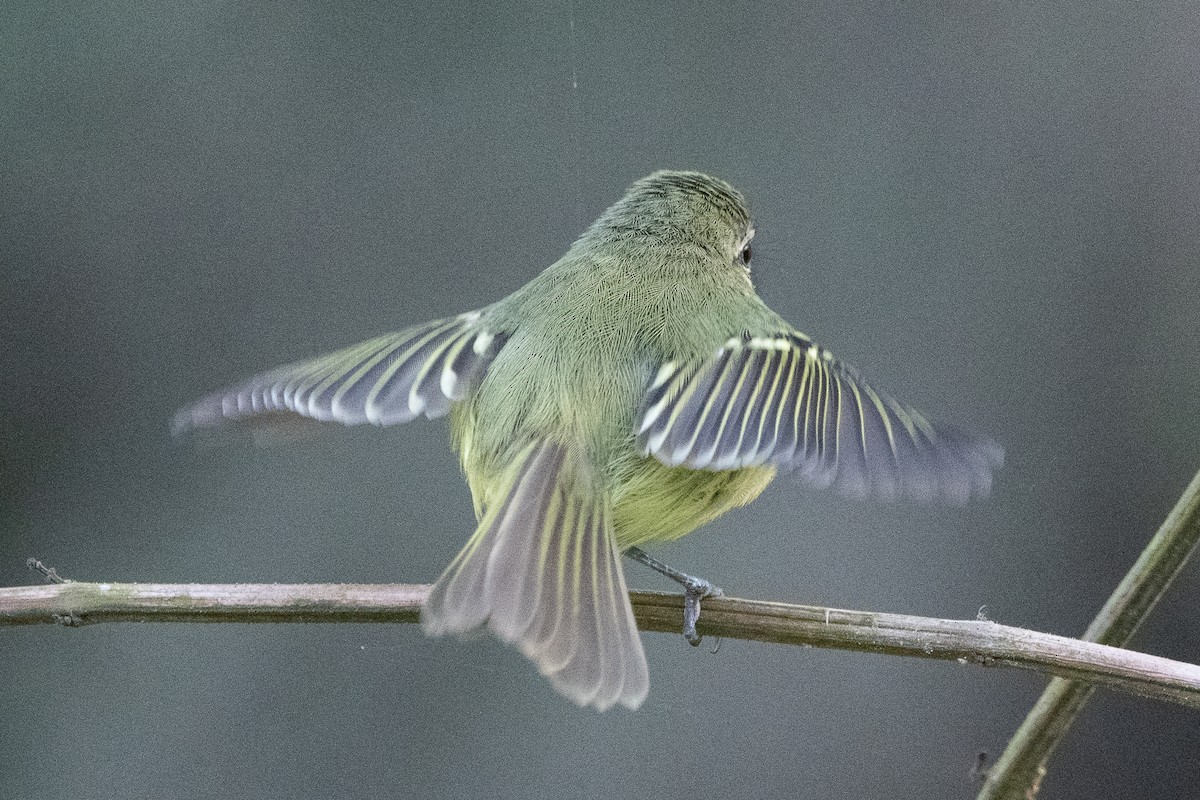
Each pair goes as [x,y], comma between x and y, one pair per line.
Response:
[784,401]
[383,381]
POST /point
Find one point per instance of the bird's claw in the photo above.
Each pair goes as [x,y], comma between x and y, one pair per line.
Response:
[695,590]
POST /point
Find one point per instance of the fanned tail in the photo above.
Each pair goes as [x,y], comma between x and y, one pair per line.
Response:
[543,572]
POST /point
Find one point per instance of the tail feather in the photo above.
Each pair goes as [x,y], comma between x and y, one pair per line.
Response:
[543,572]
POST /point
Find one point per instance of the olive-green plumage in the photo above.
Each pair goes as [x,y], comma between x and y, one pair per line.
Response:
[633,391]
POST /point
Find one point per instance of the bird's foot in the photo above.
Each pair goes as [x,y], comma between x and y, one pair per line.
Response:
[694,590]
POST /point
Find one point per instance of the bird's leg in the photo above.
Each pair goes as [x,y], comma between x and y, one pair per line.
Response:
[694,590]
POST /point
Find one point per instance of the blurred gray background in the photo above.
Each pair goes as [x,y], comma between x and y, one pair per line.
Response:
[991,211]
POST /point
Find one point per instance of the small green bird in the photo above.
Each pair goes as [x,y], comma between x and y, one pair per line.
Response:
[635,390]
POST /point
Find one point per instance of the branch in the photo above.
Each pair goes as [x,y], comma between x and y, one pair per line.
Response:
[1018,772]
[979,642]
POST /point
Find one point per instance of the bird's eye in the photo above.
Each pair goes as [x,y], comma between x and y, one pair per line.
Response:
[745,257]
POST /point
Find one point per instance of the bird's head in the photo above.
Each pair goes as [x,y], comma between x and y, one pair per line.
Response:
[681,213]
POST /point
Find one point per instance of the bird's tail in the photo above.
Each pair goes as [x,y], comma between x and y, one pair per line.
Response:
[543,572]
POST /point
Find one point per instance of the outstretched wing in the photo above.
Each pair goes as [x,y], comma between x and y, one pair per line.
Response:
[383,381]
[784,401]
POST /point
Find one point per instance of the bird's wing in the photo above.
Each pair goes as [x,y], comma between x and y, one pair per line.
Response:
[384,381]
[781,400]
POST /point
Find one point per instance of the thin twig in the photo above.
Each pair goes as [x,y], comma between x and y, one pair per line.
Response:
[1018,773]
[48,572]
[979,642]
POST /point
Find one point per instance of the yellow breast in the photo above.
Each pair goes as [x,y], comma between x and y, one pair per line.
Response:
[656,503]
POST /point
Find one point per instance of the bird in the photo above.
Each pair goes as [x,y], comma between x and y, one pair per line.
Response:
[633,391]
